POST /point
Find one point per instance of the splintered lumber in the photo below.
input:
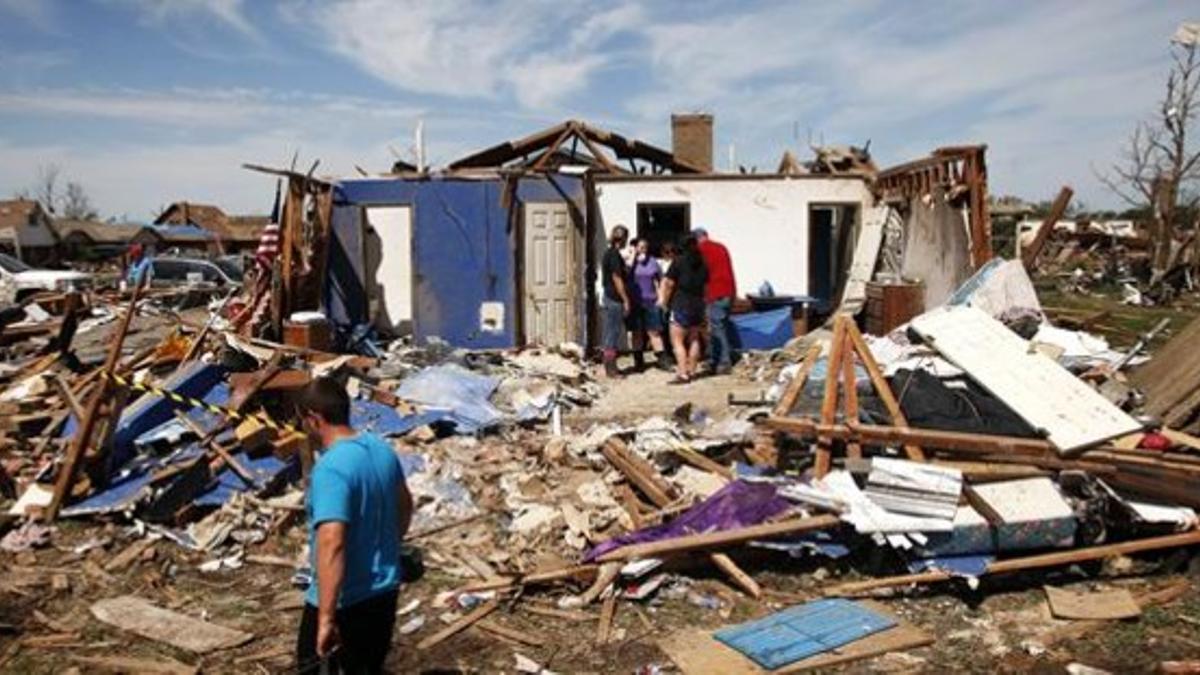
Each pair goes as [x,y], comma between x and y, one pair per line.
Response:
[830,401]
[608,574]
[531,579]
[788,400]
[979,444]
[136,615]
[522,637]
[639,472]
[736,575]
[647,478]
[1057,209]
[720,539]
[701,462]
[87,425]
[607,610]
[913,450]
[460,625]
[157,666]
[1030,562]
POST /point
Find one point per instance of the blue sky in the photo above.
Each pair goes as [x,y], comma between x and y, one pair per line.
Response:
[148,101]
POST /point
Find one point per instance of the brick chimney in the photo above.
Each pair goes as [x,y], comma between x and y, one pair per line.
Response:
[692,139]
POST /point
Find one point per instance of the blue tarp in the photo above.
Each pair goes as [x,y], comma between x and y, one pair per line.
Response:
[464,250]
[762,330]
[798,632]
[462,395]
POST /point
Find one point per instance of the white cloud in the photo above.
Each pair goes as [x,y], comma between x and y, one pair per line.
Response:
[230,13]
[540,52]
[191,108]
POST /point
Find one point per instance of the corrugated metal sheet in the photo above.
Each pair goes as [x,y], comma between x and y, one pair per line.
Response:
[464,252]
[799,632]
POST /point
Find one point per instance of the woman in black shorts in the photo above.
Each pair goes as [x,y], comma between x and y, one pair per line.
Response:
[683,293]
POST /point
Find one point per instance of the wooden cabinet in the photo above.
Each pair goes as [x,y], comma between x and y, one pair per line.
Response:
[891,305]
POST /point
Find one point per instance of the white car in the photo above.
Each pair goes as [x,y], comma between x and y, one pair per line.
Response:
[27,279]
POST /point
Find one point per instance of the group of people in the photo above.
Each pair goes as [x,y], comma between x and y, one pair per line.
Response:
[690,288]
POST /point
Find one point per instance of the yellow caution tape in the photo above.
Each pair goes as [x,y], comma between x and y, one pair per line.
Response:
[188,401]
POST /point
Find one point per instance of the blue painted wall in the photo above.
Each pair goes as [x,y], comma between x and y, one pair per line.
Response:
[465,249]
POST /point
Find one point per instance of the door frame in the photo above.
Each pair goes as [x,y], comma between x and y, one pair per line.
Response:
[413,274]
[574,275]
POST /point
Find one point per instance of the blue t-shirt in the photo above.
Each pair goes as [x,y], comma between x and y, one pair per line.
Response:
[356,481]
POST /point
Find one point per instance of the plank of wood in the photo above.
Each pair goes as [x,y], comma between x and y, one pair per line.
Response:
[87,424]
[556,613]
[739,578]
[1030,254]
[850,392]
[139,616]
[830,400]
[460,625]
[1116,603]
[695,542]
[531,579]
[1077,629]
[882,389]
[639,472]
[701,462]
[695,652]
[604,627]
[1030,562]
[608,574]
[788,400]
[979,444]
[120,664]
[128,556]
[522,637]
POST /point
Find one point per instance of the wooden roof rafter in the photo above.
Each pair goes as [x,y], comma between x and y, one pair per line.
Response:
[551,140]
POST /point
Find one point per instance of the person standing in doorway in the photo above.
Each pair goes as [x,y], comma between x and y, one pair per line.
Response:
[359,509]
[683,292]
[647,276]
[617,303]
[719,293]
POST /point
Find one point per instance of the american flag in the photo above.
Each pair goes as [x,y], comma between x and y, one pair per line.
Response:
[268,243]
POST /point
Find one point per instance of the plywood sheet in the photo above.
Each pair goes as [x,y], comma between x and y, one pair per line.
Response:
[1098,605]
[1040,391]
[137,615]
[866,255]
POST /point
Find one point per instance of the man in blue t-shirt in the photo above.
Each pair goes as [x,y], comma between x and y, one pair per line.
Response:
[359,509]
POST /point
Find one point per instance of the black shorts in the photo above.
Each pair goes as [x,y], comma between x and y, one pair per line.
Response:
[366,631]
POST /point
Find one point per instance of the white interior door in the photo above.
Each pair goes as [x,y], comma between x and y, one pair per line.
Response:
[549,274]
[390,267]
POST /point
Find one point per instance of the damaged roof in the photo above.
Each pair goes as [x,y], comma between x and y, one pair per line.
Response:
[550,142]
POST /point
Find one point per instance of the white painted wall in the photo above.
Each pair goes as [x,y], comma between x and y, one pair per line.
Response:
[763,221]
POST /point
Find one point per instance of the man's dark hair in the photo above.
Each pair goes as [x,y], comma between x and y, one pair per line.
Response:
[326,397]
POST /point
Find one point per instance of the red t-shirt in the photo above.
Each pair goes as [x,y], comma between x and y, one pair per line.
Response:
[720,271]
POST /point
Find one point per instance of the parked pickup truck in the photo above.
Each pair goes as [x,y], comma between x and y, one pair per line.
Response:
[27,279]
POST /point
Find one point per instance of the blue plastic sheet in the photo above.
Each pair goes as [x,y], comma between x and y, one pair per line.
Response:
[762,330]
[461,394]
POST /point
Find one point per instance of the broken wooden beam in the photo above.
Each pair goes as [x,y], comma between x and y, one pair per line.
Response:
[719,539]
[639,472]
[1030,254]
[460,625]
[1029,562]
[788,400]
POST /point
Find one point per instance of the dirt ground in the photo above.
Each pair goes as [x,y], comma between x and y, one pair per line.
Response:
[1003,625]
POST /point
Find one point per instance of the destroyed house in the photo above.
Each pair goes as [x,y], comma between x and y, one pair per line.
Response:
[26,232]
[502,247]
[96,240]
[493,252]
[226,233]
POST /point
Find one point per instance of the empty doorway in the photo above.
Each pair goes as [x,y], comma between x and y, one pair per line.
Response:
[832,231]
[389,267]
[663,223]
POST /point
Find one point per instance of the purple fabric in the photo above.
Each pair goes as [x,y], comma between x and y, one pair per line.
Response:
[645,273]
[738,504]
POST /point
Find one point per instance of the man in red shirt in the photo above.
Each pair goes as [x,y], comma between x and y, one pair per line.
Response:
[719,293]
